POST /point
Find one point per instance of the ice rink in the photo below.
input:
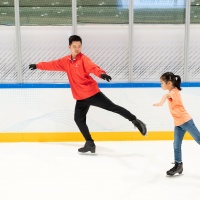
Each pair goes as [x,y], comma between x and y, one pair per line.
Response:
[133,170]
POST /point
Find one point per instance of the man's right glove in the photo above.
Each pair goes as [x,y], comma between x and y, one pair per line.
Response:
[32,66]
[106,77]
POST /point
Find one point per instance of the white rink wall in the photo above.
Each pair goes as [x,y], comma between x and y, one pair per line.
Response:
[52,110]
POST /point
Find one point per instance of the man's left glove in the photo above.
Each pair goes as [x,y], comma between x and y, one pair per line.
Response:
[32,66]
[106,77]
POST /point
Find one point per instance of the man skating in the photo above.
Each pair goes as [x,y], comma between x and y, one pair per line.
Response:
[85,90]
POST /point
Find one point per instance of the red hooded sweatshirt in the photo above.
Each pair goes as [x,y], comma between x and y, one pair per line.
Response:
[78,71]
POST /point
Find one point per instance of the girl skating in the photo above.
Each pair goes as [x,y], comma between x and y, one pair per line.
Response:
[182,120]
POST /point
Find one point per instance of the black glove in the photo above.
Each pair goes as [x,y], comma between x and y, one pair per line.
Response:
[106,77]
[32,66]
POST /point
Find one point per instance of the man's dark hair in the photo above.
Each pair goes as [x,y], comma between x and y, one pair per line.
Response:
[73,38]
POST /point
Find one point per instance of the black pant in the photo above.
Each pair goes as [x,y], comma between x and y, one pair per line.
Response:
[99,100]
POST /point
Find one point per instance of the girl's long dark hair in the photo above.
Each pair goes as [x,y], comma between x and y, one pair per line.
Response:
[175,79]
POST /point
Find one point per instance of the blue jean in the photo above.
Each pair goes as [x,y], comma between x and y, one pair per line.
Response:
[179,132]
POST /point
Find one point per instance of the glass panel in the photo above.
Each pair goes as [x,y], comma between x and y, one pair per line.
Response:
[102,12]
[194,46]
[159,11]
[8,59]
[46,12]
[107,45]
[7,15]
[108,52]
[145,11]
[46,26]
[157,48]
[195,12]
[43,44]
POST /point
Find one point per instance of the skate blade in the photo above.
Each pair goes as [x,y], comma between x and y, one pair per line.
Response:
[88,153]
[174,176]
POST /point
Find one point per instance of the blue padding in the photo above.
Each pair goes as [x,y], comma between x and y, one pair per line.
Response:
[128,85]
[34,85]
[101,85]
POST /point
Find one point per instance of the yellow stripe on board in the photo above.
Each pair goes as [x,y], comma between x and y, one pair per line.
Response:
[97,136]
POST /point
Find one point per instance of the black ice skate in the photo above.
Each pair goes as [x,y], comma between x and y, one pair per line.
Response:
[178,168]
[141,126]
[89,146]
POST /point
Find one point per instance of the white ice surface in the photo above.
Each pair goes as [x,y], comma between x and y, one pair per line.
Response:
[118,171]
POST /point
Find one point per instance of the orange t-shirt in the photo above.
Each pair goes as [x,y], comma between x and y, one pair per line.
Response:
[177,109]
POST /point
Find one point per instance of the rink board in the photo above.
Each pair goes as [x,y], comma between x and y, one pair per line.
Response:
[47,114]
